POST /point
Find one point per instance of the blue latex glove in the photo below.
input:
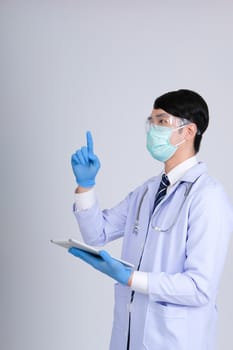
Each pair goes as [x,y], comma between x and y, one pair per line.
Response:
[105,263]
[85,164]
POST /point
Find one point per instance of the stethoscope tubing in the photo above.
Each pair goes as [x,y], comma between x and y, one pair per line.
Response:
[157,228]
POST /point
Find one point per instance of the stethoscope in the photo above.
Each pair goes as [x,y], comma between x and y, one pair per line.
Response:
[157,228]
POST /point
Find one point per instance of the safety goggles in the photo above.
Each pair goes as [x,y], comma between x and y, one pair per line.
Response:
[165,120]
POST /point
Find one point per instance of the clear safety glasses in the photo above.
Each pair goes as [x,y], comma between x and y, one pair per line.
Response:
[166,120]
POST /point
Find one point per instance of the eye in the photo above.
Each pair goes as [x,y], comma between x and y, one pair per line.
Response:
[163,121]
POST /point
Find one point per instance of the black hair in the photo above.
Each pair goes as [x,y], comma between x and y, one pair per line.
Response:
[189,105]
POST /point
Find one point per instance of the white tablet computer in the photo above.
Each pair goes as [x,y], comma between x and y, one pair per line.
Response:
[69,243]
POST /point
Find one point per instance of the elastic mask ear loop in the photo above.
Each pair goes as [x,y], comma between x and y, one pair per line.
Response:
[179,143]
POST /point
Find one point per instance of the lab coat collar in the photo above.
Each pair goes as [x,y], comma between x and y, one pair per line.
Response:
[193,173]
[177,173]
[190,176]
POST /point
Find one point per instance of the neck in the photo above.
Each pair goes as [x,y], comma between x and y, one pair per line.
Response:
[176,160]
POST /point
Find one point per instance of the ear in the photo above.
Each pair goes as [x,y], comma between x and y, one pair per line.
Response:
[191,130]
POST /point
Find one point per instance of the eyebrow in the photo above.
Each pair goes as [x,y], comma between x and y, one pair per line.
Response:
[161,115]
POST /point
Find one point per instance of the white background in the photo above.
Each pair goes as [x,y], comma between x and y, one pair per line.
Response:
[71,66]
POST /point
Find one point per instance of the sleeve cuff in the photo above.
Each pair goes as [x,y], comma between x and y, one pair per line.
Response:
[140,282]
[84,200]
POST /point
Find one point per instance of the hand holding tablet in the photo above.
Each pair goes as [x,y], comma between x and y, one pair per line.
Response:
[70,243]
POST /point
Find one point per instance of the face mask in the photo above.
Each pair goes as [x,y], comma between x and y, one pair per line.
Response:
[158,142]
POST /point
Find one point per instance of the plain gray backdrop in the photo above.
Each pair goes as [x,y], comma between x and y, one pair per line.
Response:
[71,66]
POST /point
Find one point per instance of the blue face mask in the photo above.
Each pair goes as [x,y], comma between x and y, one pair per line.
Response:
[158,142]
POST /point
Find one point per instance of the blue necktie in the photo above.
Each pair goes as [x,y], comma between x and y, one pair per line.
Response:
[162,190]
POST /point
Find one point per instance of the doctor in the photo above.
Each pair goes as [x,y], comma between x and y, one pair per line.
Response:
[175,228]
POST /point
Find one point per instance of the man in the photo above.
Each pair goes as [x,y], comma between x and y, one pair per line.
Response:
[175,228]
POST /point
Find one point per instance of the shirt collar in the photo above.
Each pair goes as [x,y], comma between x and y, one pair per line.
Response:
[176,173]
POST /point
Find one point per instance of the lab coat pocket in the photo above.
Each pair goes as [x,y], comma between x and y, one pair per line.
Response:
[166,327]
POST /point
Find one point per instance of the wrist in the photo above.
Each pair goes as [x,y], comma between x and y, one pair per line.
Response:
[130,279]
[81,189]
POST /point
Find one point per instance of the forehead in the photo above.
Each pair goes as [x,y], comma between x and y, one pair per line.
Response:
[159,113]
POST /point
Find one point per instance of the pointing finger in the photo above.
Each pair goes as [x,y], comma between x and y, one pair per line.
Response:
[90,146]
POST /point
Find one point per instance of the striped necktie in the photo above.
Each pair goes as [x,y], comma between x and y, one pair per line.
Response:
[162,190]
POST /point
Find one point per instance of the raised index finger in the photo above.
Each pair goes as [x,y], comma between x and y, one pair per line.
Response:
[90,146]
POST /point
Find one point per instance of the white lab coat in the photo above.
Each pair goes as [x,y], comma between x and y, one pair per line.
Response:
[184,264]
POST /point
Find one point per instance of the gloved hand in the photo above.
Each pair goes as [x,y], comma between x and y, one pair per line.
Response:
[105,263]
[85,164]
